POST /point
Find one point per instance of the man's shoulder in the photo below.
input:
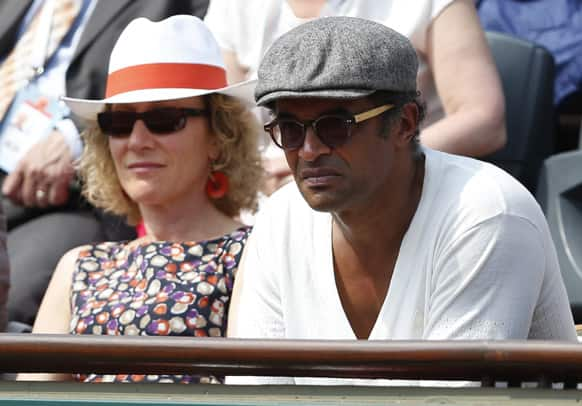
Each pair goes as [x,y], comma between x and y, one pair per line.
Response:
[468,184]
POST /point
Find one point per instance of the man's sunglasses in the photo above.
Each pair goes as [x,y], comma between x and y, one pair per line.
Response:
[158,121]
[332,129]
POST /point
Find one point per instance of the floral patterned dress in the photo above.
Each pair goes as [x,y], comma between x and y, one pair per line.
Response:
[155,288]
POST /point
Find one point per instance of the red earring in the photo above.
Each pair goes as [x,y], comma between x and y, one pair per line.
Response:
[217,185]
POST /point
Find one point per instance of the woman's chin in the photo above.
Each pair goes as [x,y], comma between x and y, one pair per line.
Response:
[145,196]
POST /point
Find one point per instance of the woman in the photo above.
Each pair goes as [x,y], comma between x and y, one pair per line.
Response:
[175,148]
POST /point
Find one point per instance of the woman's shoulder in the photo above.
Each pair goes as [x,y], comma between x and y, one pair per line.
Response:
[101,250]
[224,251]
[239,234]
[92,257]
[226,242]
[235,241]
[110,250]
[175,249]
[85,257]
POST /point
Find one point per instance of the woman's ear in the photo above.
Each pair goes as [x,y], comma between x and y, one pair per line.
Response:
[213,148]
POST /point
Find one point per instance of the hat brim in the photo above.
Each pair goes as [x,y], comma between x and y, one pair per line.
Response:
[323,94]
[88,109]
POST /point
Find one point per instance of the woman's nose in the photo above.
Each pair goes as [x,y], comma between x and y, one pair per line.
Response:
[140,135]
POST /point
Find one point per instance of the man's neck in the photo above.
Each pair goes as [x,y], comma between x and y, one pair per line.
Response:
[366,243]
[383,222]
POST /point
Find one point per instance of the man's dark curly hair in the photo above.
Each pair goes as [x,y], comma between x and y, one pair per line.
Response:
[399,100]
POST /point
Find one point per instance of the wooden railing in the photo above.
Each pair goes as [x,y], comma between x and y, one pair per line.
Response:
[487,361]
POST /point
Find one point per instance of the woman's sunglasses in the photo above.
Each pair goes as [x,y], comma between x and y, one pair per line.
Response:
[332,129]
[157,121]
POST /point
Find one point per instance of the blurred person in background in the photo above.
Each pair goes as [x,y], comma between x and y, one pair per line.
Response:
[557,26]
[457,75]
[49,48]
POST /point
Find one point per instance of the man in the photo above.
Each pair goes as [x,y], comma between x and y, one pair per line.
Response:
[379,237]
[45,214]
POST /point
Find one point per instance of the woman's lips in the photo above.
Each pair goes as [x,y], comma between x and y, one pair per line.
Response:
[140,167]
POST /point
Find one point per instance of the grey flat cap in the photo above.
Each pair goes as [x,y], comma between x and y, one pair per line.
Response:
[337,57]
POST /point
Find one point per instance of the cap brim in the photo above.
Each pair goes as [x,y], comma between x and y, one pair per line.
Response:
[323,94]
[88,109]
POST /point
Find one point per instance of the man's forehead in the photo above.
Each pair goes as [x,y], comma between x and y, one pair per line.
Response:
[313,105]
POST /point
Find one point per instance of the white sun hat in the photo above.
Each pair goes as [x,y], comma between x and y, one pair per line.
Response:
[174,58]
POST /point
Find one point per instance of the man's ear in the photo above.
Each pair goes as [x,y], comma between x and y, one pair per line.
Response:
[408,123]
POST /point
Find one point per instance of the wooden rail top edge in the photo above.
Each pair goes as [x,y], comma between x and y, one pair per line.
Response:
[465,360]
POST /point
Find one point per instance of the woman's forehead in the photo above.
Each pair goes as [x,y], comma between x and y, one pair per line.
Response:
[194,102]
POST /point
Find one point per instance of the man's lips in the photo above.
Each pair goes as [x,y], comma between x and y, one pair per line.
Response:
[318,176]
[317,173]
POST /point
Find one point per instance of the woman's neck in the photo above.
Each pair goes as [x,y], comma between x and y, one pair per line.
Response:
[188,221]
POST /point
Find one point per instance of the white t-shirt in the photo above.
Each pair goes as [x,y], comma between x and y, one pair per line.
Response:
[477,262]
[248,28]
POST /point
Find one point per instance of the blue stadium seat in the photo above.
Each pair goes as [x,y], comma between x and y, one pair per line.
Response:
[527,75]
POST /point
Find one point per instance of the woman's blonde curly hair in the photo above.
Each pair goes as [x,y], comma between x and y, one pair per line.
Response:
[236,129]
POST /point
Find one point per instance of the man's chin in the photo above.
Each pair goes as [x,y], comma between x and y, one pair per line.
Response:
[322,201]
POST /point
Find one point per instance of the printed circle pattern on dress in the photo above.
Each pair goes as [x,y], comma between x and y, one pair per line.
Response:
[157,288]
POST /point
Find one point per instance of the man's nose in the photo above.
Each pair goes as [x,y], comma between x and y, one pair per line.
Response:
[312,146]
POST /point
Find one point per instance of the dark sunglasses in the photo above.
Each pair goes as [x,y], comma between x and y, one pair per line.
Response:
[158,121]
[332,129]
